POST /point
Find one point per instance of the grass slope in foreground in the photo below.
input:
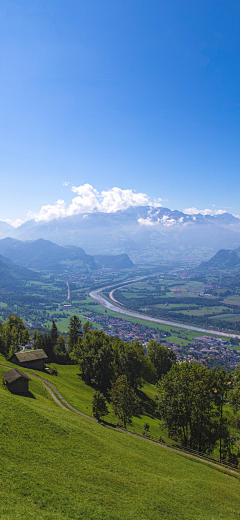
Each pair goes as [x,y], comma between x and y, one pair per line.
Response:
[57,465]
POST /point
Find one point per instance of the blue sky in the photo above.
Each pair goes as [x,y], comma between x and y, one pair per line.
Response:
[139,95]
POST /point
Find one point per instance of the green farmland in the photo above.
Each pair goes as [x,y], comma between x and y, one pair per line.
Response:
[186,301]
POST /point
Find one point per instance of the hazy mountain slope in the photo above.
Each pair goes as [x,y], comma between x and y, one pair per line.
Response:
[224,259]
[114,262]
[40,254]
[45,255]
[12,276]
[5,229]
[145,233]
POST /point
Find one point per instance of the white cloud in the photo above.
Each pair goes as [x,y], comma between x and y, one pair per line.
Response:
[156,203]
[195,211]
[85,202]
[220,212]
[147,222]
[165,220]
[89,200]
[117,199]
[15,223]
[49,212]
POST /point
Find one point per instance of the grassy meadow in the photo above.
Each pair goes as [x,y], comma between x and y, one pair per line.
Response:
[58,465]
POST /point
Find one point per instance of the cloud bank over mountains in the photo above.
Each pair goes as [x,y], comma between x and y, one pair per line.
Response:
[195,211]
[89,200]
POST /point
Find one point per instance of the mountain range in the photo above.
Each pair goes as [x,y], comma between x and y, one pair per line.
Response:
[145,233]
[43,255]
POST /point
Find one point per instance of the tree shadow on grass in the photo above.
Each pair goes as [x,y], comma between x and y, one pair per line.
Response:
[94,387]
[148,405]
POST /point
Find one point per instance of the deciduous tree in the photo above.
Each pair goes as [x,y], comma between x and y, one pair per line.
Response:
[187,406]
[99,405]
[96,360]
[124,400]
[161,357]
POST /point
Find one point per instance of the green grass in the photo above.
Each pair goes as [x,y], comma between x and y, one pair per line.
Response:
[78,394]
[227,317]
[63,323]
[205,310]
[56,465]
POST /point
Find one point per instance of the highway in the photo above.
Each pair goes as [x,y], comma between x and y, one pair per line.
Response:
[69,294]
[115,306]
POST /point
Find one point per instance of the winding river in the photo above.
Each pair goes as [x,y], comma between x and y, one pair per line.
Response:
[116,307]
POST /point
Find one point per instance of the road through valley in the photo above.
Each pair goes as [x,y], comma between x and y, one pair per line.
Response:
[116,307]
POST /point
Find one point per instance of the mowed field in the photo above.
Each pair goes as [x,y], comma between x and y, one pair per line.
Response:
[58,465]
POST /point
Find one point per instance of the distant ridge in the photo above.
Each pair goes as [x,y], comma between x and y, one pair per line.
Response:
[44,255]
[144,233]
[13,276]
[223,259]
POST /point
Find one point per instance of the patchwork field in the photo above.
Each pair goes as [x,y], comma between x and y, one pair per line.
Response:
[185,300]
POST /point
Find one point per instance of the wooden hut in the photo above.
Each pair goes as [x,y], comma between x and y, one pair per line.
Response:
[34,359]
[16,381]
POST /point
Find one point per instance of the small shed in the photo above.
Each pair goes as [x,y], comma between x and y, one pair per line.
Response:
[34,359]
[16,381]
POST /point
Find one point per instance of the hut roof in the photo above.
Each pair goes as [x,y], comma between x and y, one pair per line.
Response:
[30,355]
[14,374]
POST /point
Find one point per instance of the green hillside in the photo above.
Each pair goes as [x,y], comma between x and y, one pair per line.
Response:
[114,261]
[58,465]
[223,259]
[13,277]
[44,255]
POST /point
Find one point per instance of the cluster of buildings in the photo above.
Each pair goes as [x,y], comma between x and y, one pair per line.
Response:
[126,330]
[208,350]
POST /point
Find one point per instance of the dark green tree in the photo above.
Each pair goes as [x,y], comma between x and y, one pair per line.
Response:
[96,360]
[124,401]
[60,350]
[74,332]
[48,346]
[13,333]
[187,407]
[234,397]
[223,385]
[38,340]
[161,357]
[129,360]
[99,405]
[54,333]
[87,327]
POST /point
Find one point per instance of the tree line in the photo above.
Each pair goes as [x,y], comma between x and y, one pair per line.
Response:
[193,402]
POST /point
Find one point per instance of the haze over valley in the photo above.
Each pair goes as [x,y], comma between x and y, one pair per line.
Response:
[145,233]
